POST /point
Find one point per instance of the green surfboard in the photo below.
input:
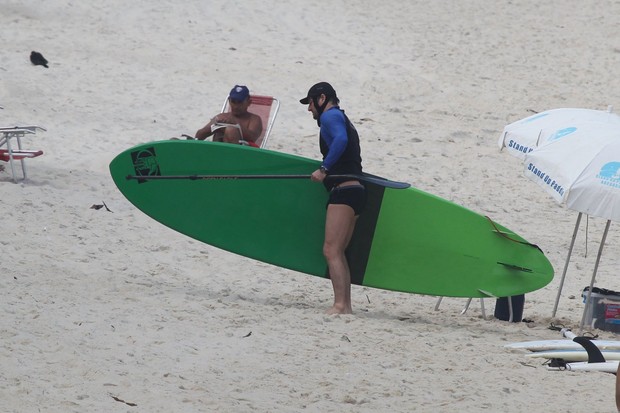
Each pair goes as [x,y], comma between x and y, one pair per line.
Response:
[406,240]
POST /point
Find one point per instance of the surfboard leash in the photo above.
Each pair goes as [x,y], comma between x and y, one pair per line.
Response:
[503,234]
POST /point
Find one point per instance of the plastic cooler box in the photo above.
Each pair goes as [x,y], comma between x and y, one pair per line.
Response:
[603,312]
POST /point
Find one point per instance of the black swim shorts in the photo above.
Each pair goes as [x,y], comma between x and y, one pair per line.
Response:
[353,196]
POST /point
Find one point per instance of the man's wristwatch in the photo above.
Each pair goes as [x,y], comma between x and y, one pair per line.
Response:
[323,169]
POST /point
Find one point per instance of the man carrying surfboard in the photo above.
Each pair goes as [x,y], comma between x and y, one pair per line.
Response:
[340,147]
[238,124]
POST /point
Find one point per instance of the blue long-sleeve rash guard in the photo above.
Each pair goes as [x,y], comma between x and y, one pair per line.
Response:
[334,133]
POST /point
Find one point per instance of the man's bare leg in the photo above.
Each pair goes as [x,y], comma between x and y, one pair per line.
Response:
[231,135]
[339,226]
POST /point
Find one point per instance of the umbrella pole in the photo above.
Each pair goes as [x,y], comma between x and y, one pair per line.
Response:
[598,259]
[570,251]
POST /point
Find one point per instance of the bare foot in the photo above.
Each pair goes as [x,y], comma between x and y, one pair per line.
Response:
[339,310]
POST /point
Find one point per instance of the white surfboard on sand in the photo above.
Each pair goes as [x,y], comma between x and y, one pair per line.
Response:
[545,345]
[598,353]
[571,355]
[606,367]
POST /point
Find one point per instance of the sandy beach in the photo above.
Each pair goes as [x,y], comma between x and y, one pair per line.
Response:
[113,312]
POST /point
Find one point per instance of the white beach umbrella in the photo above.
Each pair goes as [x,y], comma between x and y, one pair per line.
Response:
[576,161]
[523,136]
[582,171]
[578,170]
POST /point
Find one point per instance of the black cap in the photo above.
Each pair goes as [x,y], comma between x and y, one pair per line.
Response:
[321,88]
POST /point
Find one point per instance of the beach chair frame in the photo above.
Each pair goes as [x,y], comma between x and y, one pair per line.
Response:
[267,108]
[10,154]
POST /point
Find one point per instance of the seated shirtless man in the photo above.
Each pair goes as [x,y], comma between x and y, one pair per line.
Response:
[251,124]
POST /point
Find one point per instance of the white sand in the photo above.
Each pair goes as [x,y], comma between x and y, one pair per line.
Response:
[97,305]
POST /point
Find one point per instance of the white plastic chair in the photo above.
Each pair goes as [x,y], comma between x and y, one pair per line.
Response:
[10,154]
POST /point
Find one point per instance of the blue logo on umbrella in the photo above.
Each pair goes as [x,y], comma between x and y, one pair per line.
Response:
[610,174]
[562,133]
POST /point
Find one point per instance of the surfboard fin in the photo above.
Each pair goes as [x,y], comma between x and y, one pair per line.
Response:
[486,293]
[515,267]
[594,353]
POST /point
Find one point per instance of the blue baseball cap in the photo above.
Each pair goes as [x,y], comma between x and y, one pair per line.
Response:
[239,93]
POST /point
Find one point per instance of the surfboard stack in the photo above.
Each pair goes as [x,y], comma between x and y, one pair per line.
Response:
[574,353]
